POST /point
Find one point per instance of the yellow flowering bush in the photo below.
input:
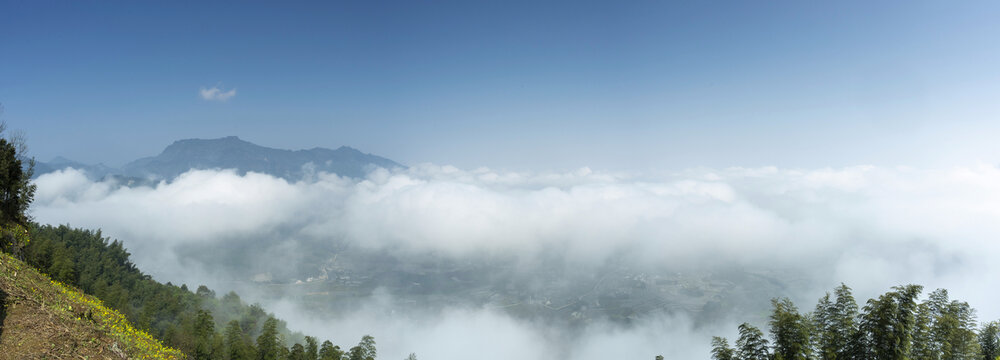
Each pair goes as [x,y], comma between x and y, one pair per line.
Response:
[77,306]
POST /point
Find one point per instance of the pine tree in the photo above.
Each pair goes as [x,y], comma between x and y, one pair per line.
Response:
[268,347]
[235,348]
[62,268]
[204,333]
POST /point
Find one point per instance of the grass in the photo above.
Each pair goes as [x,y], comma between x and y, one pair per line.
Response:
[47,319]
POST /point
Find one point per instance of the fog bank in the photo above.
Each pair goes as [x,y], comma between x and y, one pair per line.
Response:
[869,227]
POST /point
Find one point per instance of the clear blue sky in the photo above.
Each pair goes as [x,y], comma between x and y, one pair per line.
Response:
[514,85]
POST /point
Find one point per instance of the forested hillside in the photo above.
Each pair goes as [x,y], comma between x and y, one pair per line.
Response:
[43,319]
[893,326]
[198,323]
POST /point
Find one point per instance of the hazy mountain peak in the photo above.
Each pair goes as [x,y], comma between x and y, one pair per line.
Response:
[231,152]
[223,142]
[98,171]
[59,160]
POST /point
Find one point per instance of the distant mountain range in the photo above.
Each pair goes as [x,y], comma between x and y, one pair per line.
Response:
[58,163]
[231,153]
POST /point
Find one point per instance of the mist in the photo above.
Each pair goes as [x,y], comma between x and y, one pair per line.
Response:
[869,227]
[461,333]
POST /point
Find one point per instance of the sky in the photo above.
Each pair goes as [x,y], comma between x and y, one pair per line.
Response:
[853,140]
[513,85]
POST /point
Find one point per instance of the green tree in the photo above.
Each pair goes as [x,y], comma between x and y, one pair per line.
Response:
[953,327]
[283,352]
[751,345]
[367,344]
[823,318]
[356,353]
[720,350]
[204,292]
[235,345]
[62,268]
[834,323]
[268,347]
[16,189]
[298,352]
[365,349]
[888,322]
[312,349]
[204,333]
[790,331]
[989,341]
[924,345]
[328,351]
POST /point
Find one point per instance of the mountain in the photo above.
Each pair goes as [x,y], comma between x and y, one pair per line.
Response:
[229,153]
[98,171]
[41,318]
[233,153]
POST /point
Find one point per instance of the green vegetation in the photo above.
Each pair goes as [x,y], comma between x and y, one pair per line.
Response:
[198,323]
[894,326]
[16,191]
[118,295]
[49,319]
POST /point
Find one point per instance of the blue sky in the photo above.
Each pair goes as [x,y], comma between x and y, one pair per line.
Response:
[514,85]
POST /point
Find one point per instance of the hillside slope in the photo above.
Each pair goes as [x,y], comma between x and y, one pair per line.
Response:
[42,318]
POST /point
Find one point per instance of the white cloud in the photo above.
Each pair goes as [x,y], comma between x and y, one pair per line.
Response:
[736,214]
[482,333]
[216,93]
[870,227]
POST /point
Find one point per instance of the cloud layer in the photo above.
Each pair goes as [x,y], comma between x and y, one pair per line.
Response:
[216,93]
[869,227]
[461,333]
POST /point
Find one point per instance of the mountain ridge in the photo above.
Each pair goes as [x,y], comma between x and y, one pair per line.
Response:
[231,152]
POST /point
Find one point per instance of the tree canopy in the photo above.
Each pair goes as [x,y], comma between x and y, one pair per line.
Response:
[16,191]
[892,326]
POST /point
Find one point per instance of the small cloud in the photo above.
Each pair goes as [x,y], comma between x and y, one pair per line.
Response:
[215,93]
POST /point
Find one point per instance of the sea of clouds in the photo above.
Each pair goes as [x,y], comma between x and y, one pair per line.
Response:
[869,227]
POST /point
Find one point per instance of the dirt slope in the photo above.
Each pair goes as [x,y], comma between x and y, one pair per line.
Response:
[43,319]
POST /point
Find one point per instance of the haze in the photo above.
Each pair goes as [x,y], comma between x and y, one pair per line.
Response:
[516,86]
[698,158]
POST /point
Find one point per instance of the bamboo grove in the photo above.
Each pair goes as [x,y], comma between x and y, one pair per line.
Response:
[893,326]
